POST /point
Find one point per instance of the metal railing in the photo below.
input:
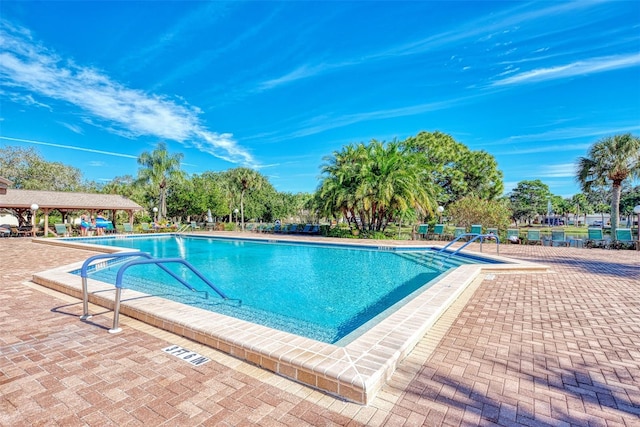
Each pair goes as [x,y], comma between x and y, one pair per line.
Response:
[474,237]
[149,260]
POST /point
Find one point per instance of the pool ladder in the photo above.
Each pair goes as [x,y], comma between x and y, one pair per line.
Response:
[160,262]
[474,237]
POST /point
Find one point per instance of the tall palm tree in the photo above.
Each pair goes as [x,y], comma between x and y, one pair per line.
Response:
[610,161]
[246,180]
[157,167]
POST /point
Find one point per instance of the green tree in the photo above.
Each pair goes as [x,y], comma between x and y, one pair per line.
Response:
[580,205]
[610,162]
[246,180]
[369,184]
[454,169]
[475,210]
[528,200]
[157,167]
[629,200]
[28,170]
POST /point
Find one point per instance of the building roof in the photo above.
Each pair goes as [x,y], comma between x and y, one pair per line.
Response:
[23,199]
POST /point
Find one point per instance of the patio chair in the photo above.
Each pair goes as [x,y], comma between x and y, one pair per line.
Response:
[315,229]
[558,238]
[146,228]
[61,230]
[513,235]
[306,229]
[623,238]
[595,238]
[128,228]
[493,231]
[438,232]
[459,231]
[533,237]
[422,231]
[476,229]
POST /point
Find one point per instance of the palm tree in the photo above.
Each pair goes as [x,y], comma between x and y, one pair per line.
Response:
[610,160]
[158,167]
[246,180]
[373,183]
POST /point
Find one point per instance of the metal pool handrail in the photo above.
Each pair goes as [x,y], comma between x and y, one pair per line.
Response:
[150,260]
[475,237]
[83,274]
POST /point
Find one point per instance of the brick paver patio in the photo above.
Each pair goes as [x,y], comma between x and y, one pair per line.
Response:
[557,348]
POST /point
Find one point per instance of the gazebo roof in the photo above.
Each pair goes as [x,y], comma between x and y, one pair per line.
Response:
[23,199]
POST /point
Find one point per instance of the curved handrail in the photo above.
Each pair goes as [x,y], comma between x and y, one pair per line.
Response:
[149,260]
[159,262]
[83,274]
[474,238]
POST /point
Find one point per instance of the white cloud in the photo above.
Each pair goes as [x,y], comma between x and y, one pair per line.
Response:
[32,68]
[562,170]
[595,65]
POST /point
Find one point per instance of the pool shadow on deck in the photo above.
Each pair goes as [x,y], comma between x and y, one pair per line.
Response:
[626,270]
[459,392]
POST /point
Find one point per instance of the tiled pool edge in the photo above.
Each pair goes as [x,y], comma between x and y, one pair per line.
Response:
[355,372]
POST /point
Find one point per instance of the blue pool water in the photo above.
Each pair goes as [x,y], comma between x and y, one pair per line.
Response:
[324,292]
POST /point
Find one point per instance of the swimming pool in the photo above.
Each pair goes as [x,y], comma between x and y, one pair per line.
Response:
[355,368]
[319,291]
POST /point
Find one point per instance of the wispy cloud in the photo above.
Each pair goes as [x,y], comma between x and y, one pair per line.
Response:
[73,128]
[70,147]
[562,170]
[26,65]
[595,65]
[562,134]
[483,28]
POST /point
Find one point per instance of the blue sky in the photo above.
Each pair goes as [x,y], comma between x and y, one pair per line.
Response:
[277,86]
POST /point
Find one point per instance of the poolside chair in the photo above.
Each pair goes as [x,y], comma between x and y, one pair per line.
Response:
[438,232]
[62,230]
[624,238]
[315,229]
[533,237]
[422,231]
[558,238]
[476,229]
[595,238]
[459,231]
[306,229]
[194,226]
[128,228]
[146,228]
[513,235]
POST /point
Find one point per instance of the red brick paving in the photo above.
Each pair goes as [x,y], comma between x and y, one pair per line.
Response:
[560,348]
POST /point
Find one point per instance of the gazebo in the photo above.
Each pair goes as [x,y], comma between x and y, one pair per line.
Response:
[25,203]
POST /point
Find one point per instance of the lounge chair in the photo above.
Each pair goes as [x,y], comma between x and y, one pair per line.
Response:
[306,229]
[194,226]
[595,238]
[292,229]
[624,238]
[513,235]
[533,237]
[128,228]
[61,230]
[476,229]
[558,238]
[459,231]
[438,232]
[315,229]
[146,228]
[423,229]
